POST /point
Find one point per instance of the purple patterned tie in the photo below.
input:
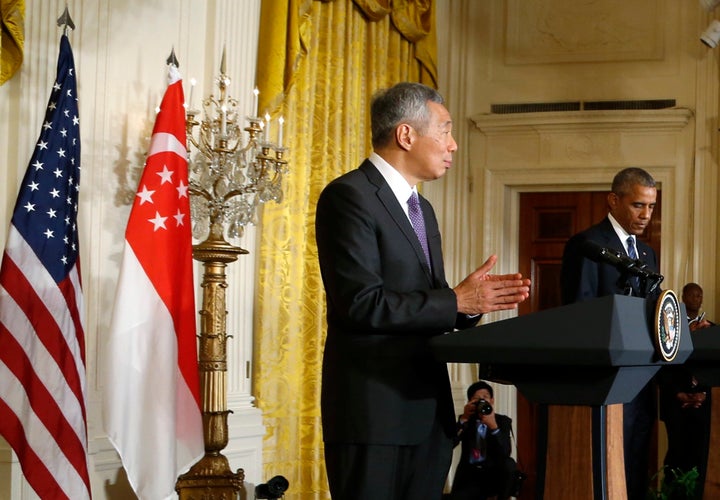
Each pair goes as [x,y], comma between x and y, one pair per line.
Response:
[418,223]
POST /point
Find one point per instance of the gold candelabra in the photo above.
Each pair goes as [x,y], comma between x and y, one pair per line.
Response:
[229,179]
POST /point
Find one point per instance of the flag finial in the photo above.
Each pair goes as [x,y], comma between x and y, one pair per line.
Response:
[172,59]
[66,21]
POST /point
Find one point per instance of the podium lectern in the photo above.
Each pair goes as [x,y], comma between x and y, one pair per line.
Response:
[704,361]
[594,353]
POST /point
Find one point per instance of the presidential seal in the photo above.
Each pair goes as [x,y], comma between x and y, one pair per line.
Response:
[667,325]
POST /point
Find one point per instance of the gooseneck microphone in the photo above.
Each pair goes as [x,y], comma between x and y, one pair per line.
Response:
[621,262]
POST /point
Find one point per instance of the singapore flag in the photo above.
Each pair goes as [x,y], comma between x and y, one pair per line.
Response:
[151,395]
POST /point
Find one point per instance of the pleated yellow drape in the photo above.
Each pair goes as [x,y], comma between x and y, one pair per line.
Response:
[319,62]
[12,37]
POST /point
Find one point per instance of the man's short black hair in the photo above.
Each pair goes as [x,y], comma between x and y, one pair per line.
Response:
[481,384]
[627,178]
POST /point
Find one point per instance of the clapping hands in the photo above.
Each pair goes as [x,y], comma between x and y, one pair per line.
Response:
[482,292]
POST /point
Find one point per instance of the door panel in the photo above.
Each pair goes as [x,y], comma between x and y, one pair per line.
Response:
[547,221]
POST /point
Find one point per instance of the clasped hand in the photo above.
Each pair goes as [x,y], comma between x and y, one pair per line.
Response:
[698,325]
[482,292]
[691,400]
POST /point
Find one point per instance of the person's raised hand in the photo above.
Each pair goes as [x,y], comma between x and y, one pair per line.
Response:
[697,325]
[482,292]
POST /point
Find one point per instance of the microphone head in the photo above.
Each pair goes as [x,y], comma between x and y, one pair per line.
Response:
[595,252]
[610,256]
[623,263]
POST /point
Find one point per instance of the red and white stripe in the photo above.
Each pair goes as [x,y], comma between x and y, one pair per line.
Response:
[42,373]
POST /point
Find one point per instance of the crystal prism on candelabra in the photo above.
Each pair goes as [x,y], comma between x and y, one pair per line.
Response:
[231,173]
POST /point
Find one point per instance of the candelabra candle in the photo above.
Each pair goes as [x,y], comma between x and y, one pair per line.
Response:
[192,88]
[256,92]
[281,120]
[267,128]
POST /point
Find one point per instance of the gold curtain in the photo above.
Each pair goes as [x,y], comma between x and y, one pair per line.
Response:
[319,62]
[12,37]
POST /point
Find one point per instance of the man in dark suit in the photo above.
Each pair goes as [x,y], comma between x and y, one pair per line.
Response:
[631,201]
[387,411]
[685,406]
[482,471]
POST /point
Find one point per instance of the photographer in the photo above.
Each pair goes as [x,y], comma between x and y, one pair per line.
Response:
[485,466]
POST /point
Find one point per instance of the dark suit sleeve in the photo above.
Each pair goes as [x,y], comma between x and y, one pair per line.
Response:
[579,276]
[499,445]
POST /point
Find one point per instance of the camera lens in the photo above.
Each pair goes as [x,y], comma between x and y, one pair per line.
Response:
[483,407]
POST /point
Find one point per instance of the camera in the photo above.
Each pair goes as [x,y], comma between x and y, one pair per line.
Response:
[273,489]
[482,407]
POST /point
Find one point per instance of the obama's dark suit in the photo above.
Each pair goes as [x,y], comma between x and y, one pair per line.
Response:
[381,384]
[584,279]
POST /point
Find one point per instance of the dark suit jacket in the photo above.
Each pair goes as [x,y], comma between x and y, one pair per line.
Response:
[583,279]
[381,383]
[499,447]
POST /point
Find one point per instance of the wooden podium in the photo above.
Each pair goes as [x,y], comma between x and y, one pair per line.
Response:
[704,362]
[584,360]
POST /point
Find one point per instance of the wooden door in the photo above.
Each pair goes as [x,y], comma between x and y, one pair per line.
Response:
[547,220]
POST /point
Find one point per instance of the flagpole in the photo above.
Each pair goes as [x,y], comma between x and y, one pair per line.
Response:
[65,21]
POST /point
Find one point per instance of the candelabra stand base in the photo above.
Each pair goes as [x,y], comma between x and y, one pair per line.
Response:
[211,479]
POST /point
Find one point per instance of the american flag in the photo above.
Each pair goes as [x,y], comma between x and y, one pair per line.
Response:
[42,346]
